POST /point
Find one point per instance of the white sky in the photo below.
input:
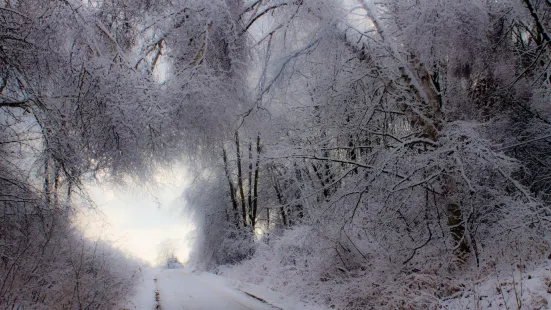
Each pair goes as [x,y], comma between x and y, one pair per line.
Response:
[137,221]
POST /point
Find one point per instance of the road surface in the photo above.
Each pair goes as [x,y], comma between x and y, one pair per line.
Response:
[180,289]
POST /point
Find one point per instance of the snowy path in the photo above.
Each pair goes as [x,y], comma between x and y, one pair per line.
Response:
[180,289]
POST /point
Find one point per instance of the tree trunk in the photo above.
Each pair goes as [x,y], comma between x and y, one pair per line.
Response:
[320,178]
[46,185]
[256,171]
[232,190]
[279,198]
[539,25]
[57,178]
[240,181]
[250,189]
[66,208]
[457,229]
[268,219]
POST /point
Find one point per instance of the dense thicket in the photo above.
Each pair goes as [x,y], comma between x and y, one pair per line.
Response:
[58,62]
[407,140]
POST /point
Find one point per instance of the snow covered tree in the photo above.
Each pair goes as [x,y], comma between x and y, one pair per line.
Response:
[406,136]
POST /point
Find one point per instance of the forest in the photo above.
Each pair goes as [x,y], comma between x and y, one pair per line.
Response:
[360,154]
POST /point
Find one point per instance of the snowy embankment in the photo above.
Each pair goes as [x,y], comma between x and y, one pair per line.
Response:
[186,289]
[524,288]
[144,295]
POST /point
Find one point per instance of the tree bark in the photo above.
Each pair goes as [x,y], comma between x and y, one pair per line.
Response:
[541,29]
[457,229]
[250,189]
[47,190]
[57,179]
[232,190]
[279,198]
[256,172]
[240,181]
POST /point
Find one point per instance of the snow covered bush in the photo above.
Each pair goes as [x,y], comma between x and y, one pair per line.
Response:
[45,263]
[404,148]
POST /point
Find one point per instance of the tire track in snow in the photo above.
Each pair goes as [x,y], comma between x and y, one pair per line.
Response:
[157,295]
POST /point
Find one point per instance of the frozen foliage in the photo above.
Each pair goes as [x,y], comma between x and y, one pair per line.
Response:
[294,267]
[57,62]
[368,153]
[46,264]
[166,257]
[403,150]
[217,241]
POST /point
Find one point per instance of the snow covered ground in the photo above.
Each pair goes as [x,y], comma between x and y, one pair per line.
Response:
[187,289]
[184,289]
[521,289]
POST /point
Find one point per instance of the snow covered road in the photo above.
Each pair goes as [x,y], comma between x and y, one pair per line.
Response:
[180,289]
